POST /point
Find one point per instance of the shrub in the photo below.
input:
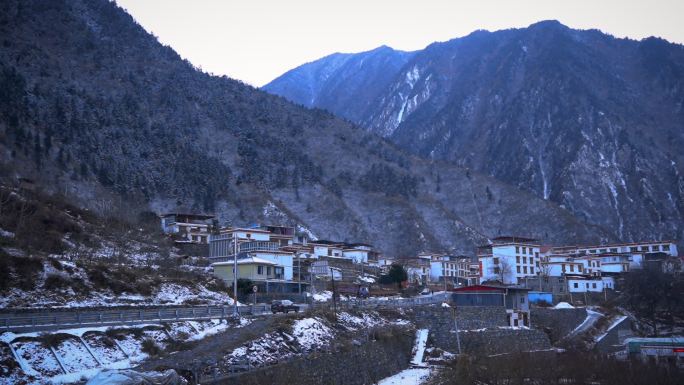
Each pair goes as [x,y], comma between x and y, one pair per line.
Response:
[56,282]
[150,347]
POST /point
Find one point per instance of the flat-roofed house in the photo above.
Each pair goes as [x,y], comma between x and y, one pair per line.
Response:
[513,298]
[252,268]
[187,228]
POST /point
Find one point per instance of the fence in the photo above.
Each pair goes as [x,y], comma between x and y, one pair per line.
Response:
[49,319]
[387,302]
[55,319]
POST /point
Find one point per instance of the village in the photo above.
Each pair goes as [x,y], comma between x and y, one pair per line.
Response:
[279,262]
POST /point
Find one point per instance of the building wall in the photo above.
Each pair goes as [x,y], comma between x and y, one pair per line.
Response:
[585,285]
[282,259]
[245,271]
[358,256]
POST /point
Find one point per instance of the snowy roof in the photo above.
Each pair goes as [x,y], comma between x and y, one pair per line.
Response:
[246,261]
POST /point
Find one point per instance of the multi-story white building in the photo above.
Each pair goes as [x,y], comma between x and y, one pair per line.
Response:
[442,267]
[188,228]
[588,285]
[508,259]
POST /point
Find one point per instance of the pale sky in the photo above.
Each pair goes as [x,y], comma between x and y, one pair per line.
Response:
[257,40]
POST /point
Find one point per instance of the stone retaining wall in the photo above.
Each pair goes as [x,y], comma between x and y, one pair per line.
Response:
[367,363]
[557,323]
[482,330]
[468,317]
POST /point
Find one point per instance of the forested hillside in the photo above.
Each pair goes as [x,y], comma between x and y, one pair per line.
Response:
[94,107]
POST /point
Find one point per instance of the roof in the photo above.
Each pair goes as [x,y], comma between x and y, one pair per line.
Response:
[196,216]
[245,261]
[514,239]
[489,288]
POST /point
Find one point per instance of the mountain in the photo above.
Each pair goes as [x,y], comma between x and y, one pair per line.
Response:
[341,83]
[577,117]
[94,108]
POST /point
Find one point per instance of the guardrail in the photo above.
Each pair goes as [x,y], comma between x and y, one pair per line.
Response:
[389,302]
[49,319]
[55,319]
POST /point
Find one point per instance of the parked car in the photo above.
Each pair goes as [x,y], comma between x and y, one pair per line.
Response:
[284,306]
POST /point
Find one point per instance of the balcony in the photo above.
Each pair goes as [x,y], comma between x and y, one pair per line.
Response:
[259,246]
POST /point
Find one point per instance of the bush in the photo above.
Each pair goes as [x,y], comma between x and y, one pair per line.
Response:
[27,270]
[56,282]
[150,347]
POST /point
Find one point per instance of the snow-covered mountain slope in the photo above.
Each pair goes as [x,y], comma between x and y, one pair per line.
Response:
[576,117]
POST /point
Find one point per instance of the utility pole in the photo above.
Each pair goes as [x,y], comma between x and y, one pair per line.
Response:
[299,270]
[458,338]
[235,274]
[332,276]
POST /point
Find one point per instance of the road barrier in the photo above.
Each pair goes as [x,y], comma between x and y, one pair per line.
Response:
[55,319]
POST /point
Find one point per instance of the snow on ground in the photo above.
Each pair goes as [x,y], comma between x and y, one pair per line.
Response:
[39,358]
[363,320]
[121,351]
[323,296]
[419,346]
[563,305]
[613,324]
[75,356]
[104,349]
[414,376]
[311,333]
[366,279]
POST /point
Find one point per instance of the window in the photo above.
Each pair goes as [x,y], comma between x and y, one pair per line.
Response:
[260,270]
[614,250]
[572,268]
[329,253]
[530,251]
[575,285]
[634,249]
[654,248]
[517,249]
[517,259]
[525,269]
[531,260]
[518,268]
[592,251]
[522,299]
[602,251]
[524,250]
[666,247]
[531,269]
[644,248]
[495,260]
[536,254]
[524,259]
[268,270]
[593,285]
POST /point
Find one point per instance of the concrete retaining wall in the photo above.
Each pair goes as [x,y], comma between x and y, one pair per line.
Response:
[557,323]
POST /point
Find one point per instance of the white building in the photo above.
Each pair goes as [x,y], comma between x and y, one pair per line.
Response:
[323,248]
[188,228]
[509,260]
[589,285]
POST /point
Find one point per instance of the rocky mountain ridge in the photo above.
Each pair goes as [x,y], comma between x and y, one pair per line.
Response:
[577,117]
